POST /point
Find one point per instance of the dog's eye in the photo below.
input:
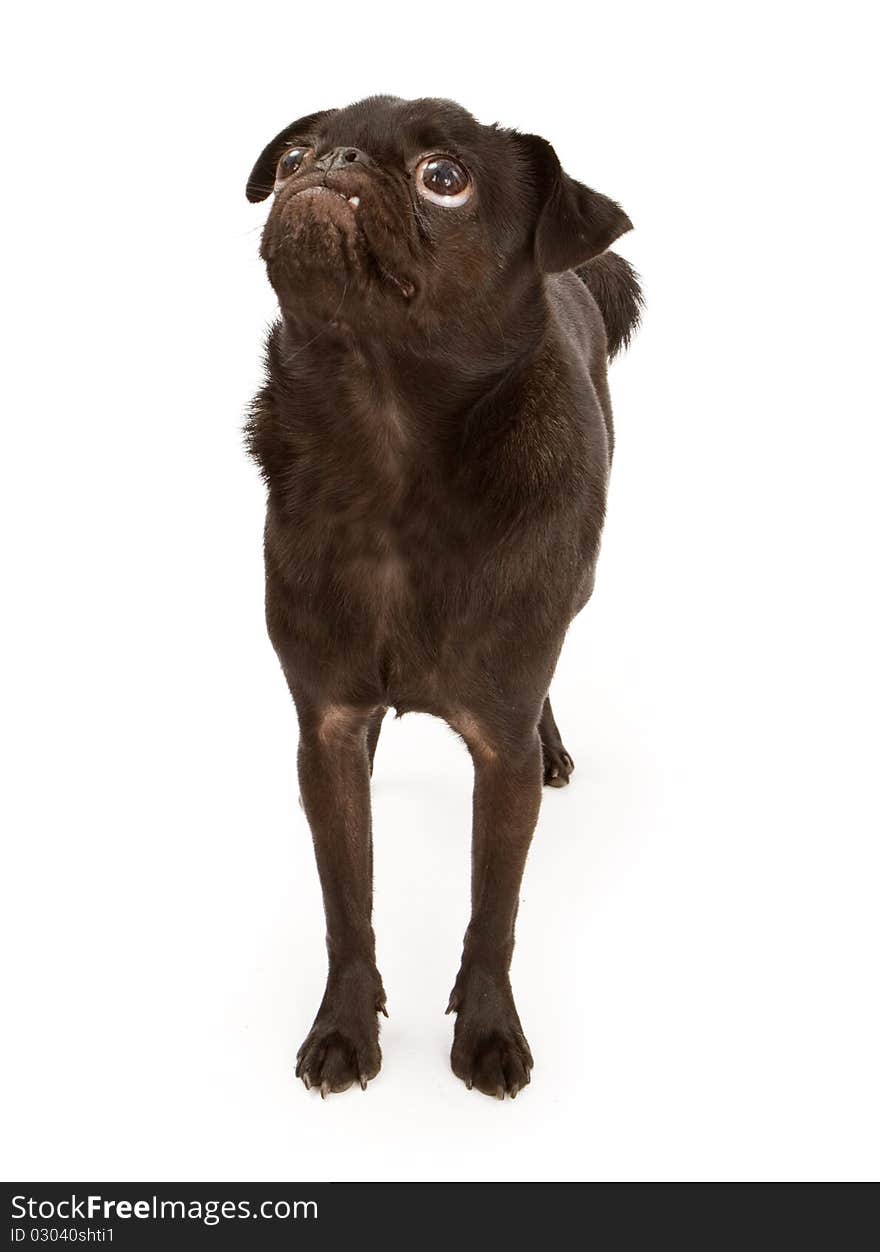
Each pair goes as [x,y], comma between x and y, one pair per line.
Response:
[443,180]
[290,162]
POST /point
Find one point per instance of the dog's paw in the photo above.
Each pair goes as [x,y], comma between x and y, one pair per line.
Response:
[333,1059]
[489,1050]
[342,1048]
[558,765]
[496,1062]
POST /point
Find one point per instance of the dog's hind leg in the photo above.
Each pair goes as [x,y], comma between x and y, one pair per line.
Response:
[558,765]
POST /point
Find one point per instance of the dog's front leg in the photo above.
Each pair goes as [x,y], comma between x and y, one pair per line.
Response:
[489,1050]
[343,1044]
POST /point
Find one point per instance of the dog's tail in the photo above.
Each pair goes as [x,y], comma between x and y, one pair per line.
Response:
[614,285]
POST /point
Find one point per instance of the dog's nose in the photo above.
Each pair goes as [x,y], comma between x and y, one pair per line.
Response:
[340,158]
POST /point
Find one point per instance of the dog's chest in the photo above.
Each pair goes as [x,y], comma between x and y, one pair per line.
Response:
[391,539]
[389,535]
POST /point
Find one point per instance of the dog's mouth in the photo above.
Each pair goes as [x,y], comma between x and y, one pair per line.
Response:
[343,224]
[324,190]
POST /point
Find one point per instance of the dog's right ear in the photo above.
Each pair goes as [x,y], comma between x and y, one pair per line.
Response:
[262,179]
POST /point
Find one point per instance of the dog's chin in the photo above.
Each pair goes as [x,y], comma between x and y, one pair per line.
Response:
[319,257]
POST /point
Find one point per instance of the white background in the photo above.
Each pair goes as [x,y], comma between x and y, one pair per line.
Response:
[696,967]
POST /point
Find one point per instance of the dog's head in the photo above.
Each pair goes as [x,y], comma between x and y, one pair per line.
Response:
[393,209]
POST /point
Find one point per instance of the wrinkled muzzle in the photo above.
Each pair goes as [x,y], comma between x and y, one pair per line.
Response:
[347,231]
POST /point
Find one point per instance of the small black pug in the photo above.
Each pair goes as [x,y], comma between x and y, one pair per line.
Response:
[435,433]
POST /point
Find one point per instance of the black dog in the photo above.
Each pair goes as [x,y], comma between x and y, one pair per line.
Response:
[436,437]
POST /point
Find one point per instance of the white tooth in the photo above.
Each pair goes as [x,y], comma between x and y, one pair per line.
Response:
[355,200]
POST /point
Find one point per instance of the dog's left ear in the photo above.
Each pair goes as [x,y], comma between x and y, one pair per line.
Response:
[574,222]
[262,179]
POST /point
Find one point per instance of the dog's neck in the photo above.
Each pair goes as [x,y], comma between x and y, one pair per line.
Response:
[433,377]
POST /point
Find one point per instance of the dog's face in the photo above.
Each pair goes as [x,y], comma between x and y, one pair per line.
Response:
[393,209]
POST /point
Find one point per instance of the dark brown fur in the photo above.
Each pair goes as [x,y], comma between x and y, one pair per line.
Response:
[435,434]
